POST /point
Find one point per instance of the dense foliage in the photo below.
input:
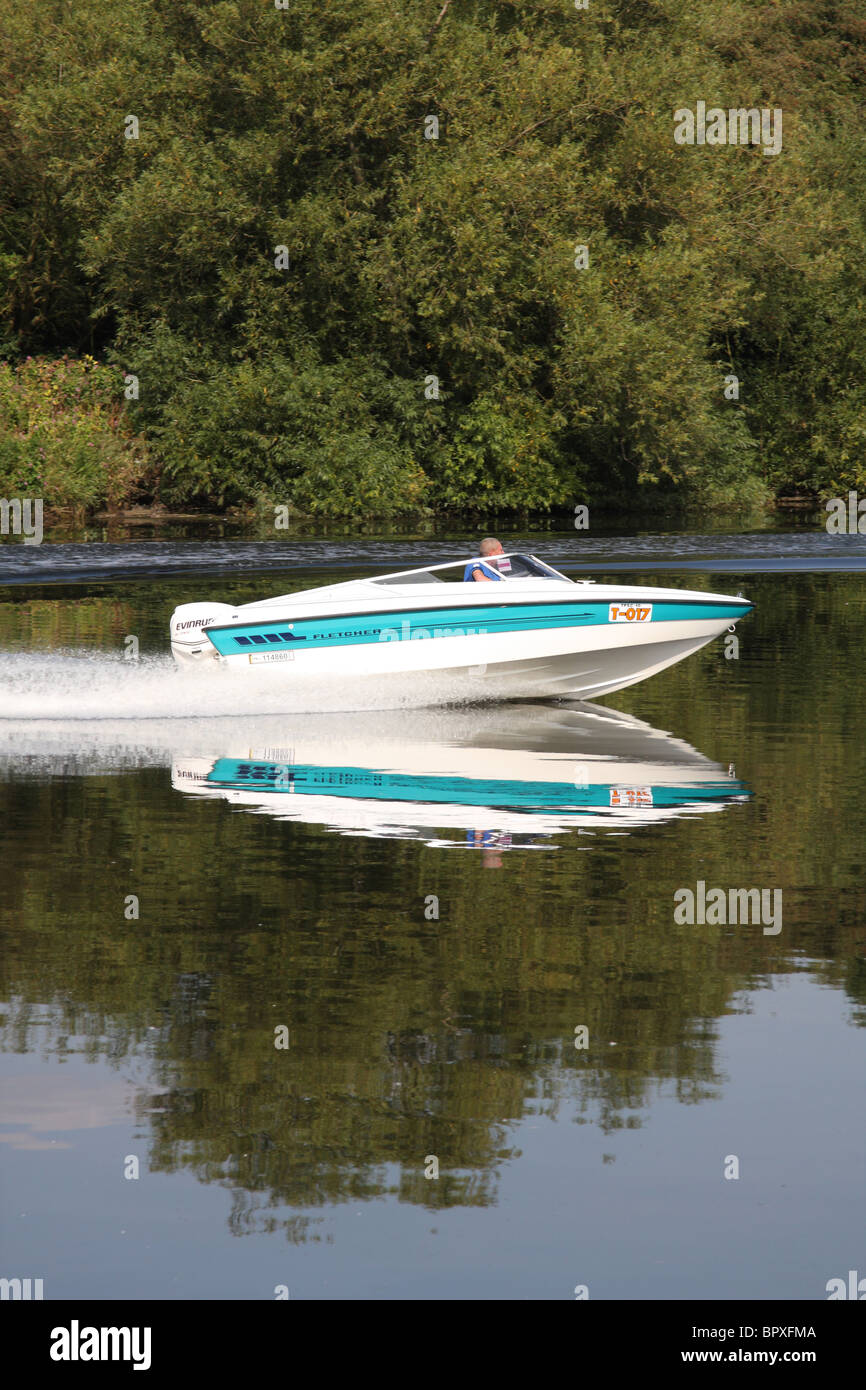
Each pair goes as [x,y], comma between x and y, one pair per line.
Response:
[64,436]
[411,258]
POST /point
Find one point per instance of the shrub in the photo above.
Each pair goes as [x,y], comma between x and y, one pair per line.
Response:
[64,435]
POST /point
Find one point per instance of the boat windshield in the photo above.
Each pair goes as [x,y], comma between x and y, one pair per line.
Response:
[511,566]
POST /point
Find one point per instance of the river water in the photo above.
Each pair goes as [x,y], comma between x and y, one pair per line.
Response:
[363,1003]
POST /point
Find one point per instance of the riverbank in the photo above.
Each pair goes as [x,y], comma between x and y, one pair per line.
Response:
[69,434]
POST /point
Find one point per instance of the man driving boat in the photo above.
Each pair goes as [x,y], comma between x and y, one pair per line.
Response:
[476,569]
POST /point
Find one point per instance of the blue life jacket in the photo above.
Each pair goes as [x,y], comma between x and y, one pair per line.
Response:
[478,565]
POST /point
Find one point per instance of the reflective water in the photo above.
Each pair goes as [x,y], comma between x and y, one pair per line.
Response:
[288,964]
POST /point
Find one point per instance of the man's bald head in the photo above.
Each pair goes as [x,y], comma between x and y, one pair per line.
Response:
[490,546]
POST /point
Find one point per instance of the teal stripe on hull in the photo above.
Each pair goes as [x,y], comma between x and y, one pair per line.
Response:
[310,780]
[308,633]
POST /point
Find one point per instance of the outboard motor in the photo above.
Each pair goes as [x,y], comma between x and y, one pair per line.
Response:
[189,643]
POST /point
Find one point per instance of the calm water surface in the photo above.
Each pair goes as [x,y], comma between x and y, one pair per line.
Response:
[425,905]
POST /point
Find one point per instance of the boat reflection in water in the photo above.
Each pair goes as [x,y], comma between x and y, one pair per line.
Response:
[486,779]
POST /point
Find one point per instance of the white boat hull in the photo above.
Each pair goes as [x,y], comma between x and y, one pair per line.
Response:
[540,638]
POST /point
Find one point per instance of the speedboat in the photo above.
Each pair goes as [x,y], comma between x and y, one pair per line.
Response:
[525,631]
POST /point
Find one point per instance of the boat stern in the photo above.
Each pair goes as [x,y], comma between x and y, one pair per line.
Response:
[188,631]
